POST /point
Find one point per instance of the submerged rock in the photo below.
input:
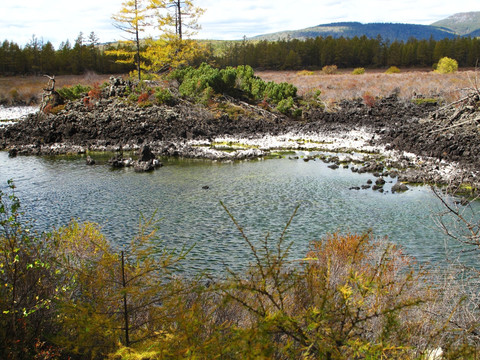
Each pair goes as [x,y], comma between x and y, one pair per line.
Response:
[399,187]
[90,161]
[145,166]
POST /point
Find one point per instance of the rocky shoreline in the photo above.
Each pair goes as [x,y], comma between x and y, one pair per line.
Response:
[423,142]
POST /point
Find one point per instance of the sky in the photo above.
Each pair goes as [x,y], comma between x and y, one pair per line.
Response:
[60,20]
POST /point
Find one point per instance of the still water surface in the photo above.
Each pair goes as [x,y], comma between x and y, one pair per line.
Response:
[262,195]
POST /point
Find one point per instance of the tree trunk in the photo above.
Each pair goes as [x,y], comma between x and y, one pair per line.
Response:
[125,304]
[137,39]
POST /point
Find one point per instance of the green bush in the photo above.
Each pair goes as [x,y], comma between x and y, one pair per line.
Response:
[205,80]
[393,70]
[358,71]
[285,105]
[74,92]
[278,92]
[29,286]
[163,96]
[447,65]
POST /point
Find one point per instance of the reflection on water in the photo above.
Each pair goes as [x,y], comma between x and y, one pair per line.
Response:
[262,196]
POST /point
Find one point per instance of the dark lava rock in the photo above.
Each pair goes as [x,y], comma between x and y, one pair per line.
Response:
[145,154]
[145,166]
[399,187]
[90,161]
[118,161]
[380,181]
[12,153]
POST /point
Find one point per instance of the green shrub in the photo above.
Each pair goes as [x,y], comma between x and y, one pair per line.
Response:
[203,82]
[74,92]
[447,65]
[278,92]
[285,105]
[195,81]
[27,280]
[358,71]
[392,70]
[163,96]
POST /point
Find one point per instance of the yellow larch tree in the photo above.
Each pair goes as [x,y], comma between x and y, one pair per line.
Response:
[177,20]
[133,18]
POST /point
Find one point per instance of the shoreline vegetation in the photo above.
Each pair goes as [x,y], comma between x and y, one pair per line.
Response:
[71,294]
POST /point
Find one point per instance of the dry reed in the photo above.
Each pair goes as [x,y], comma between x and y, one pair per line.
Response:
[348,86]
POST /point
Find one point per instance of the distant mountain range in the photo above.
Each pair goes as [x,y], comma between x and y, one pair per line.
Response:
[462,24]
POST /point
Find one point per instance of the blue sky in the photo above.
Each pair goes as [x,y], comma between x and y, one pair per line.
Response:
[59,20]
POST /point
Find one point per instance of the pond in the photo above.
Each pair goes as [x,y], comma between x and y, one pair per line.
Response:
[10,113]
[262,195]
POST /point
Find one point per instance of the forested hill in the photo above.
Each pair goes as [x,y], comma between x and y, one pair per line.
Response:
[388,31]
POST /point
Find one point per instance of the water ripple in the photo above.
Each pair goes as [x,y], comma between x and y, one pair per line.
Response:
[260,195]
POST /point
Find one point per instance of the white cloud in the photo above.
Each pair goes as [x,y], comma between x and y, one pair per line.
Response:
[59,20]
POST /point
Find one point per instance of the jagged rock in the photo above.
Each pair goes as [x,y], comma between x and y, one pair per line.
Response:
[380,181]
[90,161]
[144,166]
[399,187]
[13,152]
[119,162]
[145,154]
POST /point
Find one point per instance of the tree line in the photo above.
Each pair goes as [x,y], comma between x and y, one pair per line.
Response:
[348,53]
[38,57]
[86,54]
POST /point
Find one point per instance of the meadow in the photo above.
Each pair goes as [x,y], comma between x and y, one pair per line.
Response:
[345,85]
[409,83]
[27,90]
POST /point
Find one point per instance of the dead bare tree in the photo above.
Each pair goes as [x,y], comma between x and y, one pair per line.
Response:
[50,96]
[48,91]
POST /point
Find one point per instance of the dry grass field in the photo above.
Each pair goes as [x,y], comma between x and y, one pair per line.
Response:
[28,89]
[344,85]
